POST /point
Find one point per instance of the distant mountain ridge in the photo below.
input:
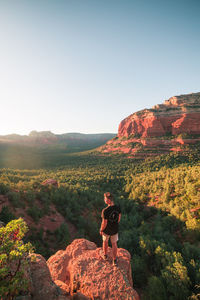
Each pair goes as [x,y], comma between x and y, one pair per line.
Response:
[163,128]
[47,137]
[46,149]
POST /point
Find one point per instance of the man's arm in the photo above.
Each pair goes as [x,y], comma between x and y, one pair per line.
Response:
[119,218]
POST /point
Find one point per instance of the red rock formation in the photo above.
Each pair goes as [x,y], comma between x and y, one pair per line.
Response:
[42,287]
[177,115]
[80,273]
[147,132]
[50,182]
[81,268]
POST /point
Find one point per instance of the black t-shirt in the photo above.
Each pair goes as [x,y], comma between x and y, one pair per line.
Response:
[111,214]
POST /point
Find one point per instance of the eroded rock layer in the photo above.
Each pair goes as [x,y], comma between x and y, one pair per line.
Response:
[161,129]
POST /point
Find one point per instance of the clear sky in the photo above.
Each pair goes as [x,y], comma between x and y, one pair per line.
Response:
[85,65]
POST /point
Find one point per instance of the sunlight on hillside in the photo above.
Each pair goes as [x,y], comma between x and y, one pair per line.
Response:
[16,156]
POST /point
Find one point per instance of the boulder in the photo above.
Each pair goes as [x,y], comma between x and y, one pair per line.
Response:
[86,274]
[50,181]
[80,273]
[42,286]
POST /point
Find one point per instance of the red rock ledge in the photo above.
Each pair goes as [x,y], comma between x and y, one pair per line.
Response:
[80,268]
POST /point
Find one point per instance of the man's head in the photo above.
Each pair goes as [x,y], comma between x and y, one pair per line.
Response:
[108,198]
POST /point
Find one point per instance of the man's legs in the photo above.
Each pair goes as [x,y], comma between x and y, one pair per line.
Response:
[114,239]
[114,250]
[105,244]
[105,247]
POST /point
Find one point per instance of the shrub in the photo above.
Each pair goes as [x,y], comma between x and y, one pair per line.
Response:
[6,215]
[139,271]
[35,213]
[14,198]
[4,189]
[176,280]
[155,289]
[13,259]
[62,235]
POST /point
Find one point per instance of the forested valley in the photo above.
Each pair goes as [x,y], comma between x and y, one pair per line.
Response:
[160,205]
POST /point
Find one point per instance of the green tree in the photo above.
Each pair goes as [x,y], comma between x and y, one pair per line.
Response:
[6,215]
[13,259]
[139,269]
[155,289]
[62,235]
[176,280]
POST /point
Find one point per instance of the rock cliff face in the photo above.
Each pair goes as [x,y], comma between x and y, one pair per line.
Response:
[164,128]
[79,272]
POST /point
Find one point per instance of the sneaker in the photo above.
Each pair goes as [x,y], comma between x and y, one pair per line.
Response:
[105,256]
[115,262]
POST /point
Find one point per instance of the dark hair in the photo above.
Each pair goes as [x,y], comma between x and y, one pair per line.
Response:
[109,195]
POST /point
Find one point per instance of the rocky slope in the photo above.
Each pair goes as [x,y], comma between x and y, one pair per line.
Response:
[79,272]
[45,228]
[161,129]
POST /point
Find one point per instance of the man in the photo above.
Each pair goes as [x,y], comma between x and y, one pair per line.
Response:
[111,216]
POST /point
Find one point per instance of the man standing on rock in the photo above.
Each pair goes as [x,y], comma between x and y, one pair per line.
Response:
[111,216]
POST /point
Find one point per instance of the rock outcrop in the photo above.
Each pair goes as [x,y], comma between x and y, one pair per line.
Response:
[80,272]
[50,181]
[81,268]
[42,286]
[164,128]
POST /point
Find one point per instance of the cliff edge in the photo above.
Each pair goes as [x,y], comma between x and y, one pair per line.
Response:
[163,128]
[177,115]
[80,272]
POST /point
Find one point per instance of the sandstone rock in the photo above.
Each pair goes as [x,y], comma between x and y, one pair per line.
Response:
[50,181]
[82,268]
[79,296]
[177,115]
[64,288]
[146,132]
[42,285]
[80,273]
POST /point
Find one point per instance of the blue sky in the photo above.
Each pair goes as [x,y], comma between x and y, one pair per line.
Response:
[85,65]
